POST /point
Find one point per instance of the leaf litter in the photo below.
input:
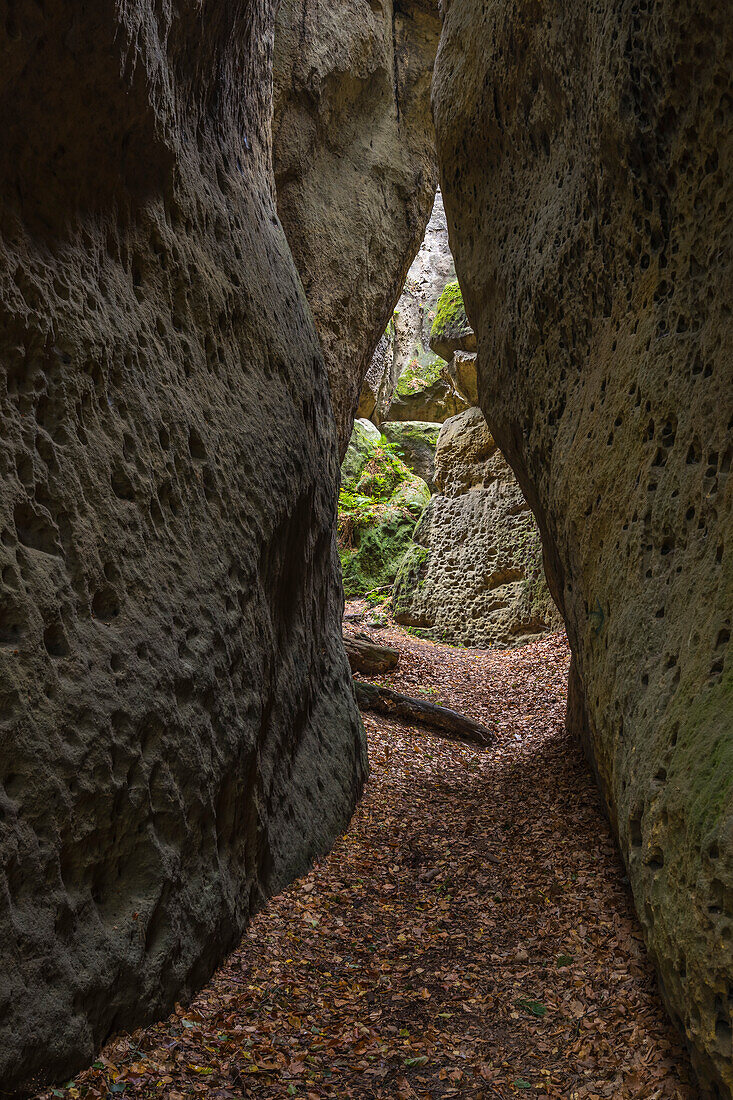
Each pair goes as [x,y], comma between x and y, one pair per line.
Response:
[472,935]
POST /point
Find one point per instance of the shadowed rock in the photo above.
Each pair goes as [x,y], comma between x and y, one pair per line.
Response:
[586,174]
[178,735]
[355,167]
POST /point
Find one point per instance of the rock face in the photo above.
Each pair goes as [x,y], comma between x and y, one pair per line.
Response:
[451,330]
[364,436]
[178,735]
[354,151]
[463,371]
[380,380]
[586,171]
[474,572]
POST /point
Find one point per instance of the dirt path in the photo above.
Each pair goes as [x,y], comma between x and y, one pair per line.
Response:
[471,936]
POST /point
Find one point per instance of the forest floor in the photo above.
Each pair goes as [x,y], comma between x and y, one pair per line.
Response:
[472,935]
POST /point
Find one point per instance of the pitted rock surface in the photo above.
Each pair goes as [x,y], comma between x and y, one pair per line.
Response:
[354,151]
[586,171]
[178,735]
[474,572]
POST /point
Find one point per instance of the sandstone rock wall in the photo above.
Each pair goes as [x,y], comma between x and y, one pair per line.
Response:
[586,172]
[473,574]
[355,166]
[178,735]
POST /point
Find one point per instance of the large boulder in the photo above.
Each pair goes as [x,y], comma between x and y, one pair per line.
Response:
[415,443]
[586,172]
[364,436]
[380,380]
[462,369]
[355,167]
[178,735]
[473,573]
[425,391]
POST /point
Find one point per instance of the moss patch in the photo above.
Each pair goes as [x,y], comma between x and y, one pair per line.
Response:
[419,375]
[450,313]
[704,758]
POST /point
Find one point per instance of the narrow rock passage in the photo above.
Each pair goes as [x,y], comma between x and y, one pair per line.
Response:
[471,936]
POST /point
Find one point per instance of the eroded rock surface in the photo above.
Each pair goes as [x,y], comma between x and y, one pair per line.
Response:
[355,166]
[380,380]
[586,172]
[178,735]
[474,571]
[426,393]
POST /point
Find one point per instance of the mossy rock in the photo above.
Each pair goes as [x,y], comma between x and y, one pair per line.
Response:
[451,331]
[379,507]
[410,577]
[425,393]
[415,442]
[420,375]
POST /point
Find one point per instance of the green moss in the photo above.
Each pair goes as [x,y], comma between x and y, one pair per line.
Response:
[420,376]
[450,313]
[703,763]
[410,576]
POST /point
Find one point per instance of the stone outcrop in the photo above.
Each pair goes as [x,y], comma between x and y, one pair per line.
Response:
[463,371]
[451,330]
[380,380]
[354,151]
[586,172]
[364,436]
[178,735]
[473,574]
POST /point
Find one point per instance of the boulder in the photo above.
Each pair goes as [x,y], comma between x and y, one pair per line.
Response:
[451,330]
[415,442]
[361,446]
[473,574]
[354,151]
[586,173]
[178,734]
[425,392]
[466,456]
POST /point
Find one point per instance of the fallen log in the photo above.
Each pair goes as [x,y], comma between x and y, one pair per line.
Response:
[445,721]
[367,657]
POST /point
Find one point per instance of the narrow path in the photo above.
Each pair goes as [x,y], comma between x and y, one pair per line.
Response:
[471,936]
